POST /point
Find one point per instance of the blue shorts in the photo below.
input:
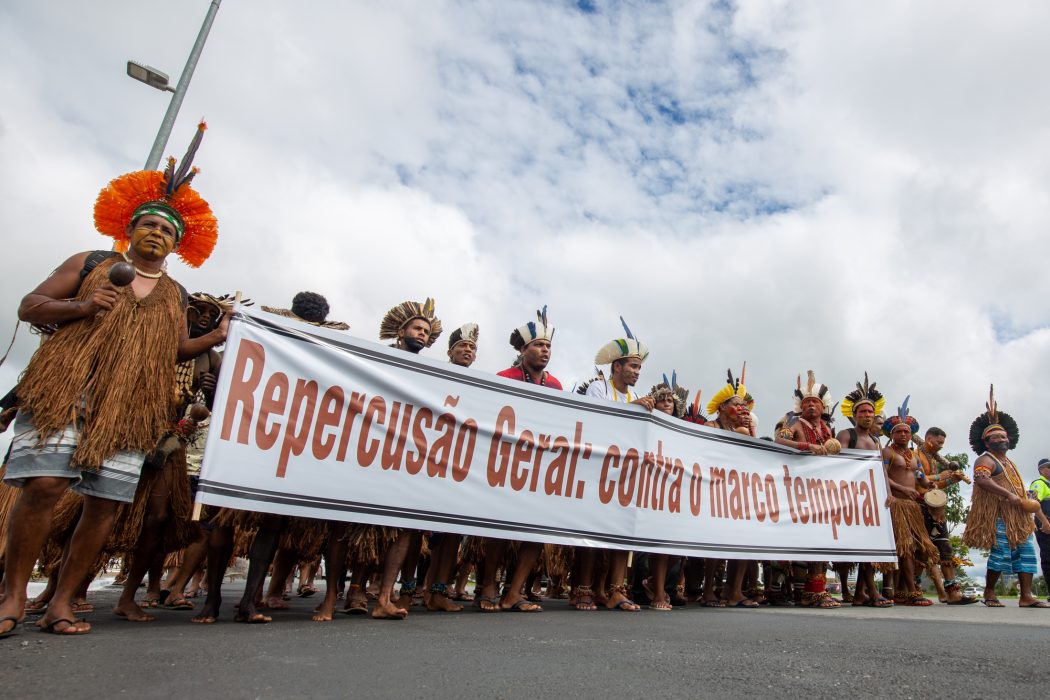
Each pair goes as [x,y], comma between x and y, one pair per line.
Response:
[1017,560]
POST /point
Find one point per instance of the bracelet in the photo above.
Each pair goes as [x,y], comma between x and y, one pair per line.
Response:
[804,446]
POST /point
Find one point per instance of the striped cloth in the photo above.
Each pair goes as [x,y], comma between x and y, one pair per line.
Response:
[115,480]
[1019,560]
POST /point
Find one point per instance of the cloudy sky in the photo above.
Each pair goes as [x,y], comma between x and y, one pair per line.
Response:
[843,186]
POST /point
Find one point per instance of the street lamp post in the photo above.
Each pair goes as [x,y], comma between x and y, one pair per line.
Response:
[155,78]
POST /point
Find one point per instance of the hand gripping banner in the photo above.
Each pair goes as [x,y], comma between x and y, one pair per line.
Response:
[315,423]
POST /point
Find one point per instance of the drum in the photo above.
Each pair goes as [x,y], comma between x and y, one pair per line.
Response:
[936,500]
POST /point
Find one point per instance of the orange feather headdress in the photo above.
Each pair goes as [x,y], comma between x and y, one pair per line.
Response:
[166,193]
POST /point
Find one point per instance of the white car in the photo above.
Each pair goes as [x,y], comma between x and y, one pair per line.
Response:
[972,591]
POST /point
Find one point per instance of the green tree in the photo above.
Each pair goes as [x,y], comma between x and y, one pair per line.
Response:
[956,511]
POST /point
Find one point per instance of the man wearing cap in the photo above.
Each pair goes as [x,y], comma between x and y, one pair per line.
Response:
[1040,490]
[624,357]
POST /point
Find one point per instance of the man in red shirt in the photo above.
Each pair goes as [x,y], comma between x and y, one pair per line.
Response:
[533,343]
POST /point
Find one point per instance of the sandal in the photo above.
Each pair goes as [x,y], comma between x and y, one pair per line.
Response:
[15,622]
[491,601]
[175,603]
[661,605]
[626,605]
[583,599]
[992,603]
[522,606]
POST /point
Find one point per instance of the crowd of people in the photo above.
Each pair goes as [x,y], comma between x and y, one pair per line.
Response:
[110,415]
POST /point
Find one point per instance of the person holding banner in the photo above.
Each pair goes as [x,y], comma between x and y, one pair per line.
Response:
[731,408]
[625,357]
[97,395]
[532,342]
[807,431]
[671,399]
[860,407]
[1000,517]
[413,326]
[444,546]
[909,528]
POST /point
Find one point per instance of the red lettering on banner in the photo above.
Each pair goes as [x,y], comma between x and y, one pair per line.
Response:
[800,500]
[497,473]
[772,507]
[787,490]
[464,455]
[674,497]
[441,450]
[719,497]
[275,398]
[329,411]
[242,389]
[414,462]
[353,410]
[696,482]
[736,498]
[543,443]
[606,484]
[304,399]
[760,509]
[522,455]
[555,482]
[368,450]
[577,445]
[628,476]
[834,507]
[394,443]
[875,508]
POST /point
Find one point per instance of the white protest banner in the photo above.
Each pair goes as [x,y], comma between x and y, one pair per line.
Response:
[311,422]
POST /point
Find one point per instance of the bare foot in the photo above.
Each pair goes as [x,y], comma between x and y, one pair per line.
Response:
[438,602]
[131,612]
[388,611]
[326,609]
[275,602]
[209,611]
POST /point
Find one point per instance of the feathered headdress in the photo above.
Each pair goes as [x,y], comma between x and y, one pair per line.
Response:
[694,413]
[733,387]
[540,329]
[222,304]
[467,333]
[599,376]
[622,348]
[166,194]
[864,393]
[813,390]
[669,387]
[992,419]
[902,418]
[406,312]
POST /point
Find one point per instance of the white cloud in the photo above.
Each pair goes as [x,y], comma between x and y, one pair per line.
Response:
[833,186]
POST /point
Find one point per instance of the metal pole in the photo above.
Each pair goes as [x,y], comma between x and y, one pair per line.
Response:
[180,90]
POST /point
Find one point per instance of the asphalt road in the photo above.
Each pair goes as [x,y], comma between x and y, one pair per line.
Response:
[949,652]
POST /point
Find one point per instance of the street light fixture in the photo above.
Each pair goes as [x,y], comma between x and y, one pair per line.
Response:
[155,78]
[149,75]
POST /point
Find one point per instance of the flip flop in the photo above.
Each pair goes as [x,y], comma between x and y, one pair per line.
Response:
[306,591]
[713,604]
[746,603]
[661,607]
[965,600]
[522,606]
[992,603]
[49,628]
[179,604]
[358,609]
[1036,604]
[626,606]
[14,627]
[494,602]
[83,608]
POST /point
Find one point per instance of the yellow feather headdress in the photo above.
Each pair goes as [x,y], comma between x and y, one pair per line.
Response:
[406,312]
